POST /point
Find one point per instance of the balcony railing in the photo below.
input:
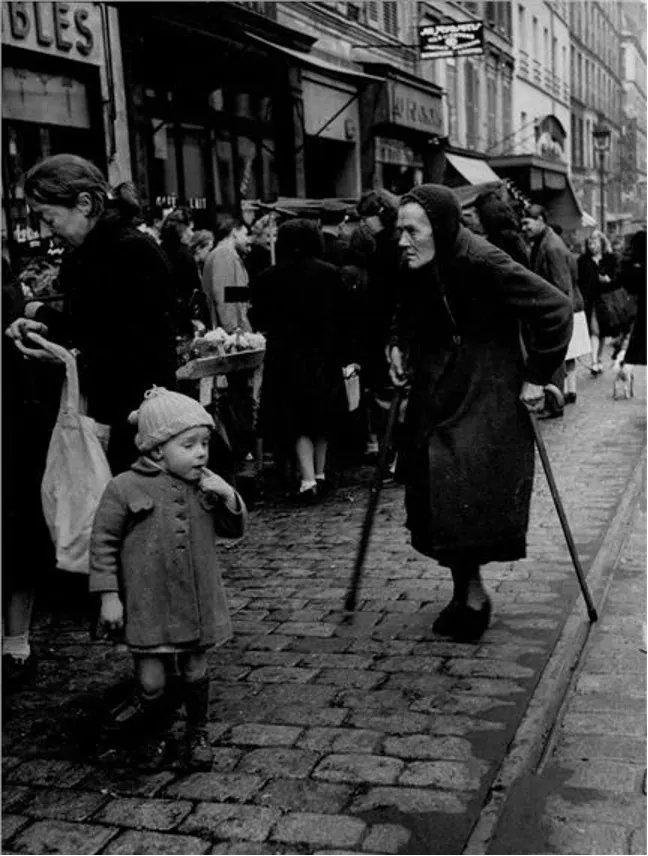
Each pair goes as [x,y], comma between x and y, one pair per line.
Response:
[537,71]
[523,65]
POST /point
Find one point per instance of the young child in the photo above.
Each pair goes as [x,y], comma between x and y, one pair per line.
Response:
[154,563]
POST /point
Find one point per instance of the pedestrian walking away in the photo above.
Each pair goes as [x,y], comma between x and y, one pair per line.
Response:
[153,562]
[551,260]
[467,455]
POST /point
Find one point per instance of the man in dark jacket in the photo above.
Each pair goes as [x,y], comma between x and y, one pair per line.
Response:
[551,260]
[467,457]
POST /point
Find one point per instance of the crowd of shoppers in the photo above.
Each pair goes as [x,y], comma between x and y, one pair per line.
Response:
[389,290]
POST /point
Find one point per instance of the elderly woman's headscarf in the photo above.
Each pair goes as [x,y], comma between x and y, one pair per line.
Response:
[443,211]
[299,238]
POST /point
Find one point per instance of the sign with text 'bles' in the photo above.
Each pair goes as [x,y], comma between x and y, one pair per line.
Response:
[447,40]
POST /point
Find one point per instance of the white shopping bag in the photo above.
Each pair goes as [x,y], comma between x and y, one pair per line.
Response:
[76,472]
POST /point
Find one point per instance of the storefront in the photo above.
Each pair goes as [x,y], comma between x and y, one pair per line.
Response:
[545,182]
[402,125]
[60,62]
[331,136]
[210,108]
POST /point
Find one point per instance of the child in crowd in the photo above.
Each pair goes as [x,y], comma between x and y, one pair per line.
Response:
[153,561]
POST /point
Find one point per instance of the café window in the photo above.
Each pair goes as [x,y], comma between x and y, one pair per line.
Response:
[215,163]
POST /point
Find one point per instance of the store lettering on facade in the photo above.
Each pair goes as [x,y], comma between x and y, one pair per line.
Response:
[64,29]
[414,109]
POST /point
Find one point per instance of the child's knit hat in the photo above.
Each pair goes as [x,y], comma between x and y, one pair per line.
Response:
[164,414]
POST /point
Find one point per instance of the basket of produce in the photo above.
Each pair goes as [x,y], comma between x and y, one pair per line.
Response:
[218,352]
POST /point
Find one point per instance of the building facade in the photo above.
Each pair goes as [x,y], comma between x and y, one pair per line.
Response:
[596,97]
[536,155]
[62,91]
[633,147]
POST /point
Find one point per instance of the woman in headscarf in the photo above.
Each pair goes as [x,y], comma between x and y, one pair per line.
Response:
[467,455]
[301,308]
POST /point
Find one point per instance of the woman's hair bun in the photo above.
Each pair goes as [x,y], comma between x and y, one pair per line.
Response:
[133,417]
[126,199]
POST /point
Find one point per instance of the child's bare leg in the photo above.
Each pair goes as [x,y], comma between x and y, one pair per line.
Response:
[193,668]
[151,673]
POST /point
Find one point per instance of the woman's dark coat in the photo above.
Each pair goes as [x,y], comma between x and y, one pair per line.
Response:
[467,457]
[633,279]
[301,310]
[592,288]
[188,297]
[117,312]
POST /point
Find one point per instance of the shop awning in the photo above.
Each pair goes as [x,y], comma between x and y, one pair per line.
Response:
[474,170]
[315,62]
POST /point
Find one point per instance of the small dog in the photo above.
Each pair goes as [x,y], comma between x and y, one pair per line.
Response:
[623,386]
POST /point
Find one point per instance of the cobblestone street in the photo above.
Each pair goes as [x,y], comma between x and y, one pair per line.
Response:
[331,735]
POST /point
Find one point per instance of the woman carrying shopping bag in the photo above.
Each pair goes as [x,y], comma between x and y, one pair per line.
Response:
[117,295]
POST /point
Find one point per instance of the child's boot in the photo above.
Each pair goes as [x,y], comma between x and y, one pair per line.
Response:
[157,718]
[200,755]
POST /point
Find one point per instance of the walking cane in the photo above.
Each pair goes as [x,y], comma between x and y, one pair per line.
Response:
[374,494]
[542,451]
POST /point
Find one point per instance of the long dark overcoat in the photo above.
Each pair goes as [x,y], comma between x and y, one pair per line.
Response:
[468,457]
[302,309]
[118,313]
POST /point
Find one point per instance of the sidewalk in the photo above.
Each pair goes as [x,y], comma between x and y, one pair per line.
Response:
[370,736]
[589,792]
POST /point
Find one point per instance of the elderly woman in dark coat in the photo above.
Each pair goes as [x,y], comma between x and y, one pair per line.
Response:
[302,310]
[117,295]
[467,457]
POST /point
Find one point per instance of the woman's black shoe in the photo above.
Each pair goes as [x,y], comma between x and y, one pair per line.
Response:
[463,623]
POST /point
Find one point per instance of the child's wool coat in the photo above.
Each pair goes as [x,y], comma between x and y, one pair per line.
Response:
[154,543]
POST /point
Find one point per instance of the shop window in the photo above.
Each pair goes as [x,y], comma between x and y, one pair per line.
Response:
[193,163]
[224,170]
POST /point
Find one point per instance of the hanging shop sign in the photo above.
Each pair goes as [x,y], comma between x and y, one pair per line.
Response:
[437,41]
[71,30]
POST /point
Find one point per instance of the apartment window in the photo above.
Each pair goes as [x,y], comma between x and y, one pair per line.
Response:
[498,15]
[354,11]
[507,106]
[580,83]
[372,11]
[574,147]
[546,48]
[390,17]
[451,85]
[534,33]
[491,99]
[522,33]
[472,106]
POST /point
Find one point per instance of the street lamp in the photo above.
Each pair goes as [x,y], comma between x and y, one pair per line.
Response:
[602,137]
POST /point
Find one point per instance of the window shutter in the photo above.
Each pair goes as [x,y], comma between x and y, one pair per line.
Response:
[390,16]
[372,11]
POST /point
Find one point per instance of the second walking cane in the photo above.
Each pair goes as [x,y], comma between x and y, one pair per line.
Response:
[542,451]
[374,494]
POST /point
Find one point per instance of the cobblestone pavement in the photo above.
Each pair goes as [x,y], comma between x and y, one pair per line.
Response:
[369,736]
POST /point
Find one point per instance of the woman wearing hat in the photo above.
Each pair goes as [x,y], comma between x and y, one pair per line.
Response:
[467,456]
